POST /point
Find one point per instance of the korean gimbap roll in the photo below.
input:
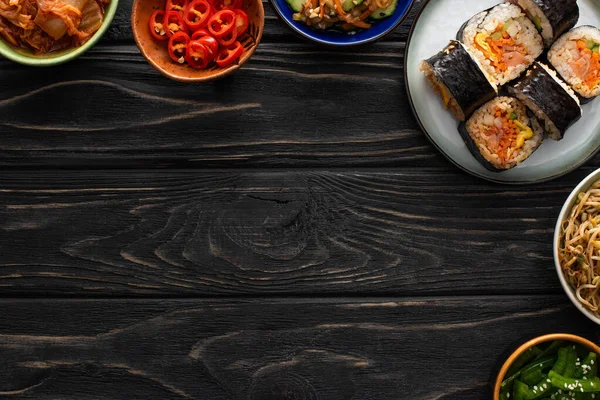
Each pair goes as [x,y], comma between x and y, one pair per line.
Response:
[576,57]
[552,101]
[503,40]
[552,18]
[501,135]
[458,79]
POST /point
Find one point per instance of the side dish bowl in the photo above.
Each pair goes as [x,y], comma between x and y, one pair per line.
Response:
[26,57]
[502,375]
[157,55]
[341,39]
[564,214]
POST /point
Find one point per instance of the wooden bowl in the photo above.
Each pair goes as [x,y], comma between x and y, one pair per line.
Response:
[157,55]
[534,342]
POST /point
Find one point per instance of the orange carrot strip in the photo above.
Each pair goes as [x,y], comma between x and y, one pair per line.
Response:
[365,15]
[356,22]
[339,8]
[361,24]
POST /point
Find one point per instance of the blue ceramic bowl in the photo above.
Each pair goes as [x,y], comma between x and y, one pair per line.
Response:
[341,39]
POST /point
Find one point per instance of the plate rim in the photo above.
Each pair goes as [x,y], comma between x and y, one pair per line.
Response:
[567,171]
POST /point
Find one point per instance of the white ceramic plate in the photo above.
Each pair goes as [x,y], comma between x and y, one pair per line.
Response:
[436,24]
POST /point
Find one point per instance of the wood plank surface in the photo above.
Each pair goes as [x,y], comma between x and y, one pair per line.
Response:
[410,232]
[269,350]
[304,175]
[294,104]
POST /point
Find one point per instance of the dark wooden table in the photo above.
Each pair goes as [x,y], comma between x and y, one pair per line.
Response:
[286,233]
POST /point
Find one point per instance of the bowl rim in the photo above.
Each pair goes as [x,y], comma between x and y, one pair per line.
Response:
[7,51]
[585,184]
[327,43]
[533,342]
[221,74]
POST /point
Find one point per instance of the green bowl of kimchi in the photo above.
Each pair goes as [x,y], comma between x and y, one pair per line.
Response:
[24,54]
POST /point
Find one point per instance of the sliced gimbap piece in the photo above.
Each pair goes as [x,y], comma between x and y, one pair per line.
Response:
[458,79]
[552,101]
[501,134]
[576,57]
[503,40]
[552,18]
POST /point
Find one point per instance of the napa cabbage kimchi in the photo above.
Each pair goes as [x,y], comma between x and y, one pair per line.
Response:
[44,26]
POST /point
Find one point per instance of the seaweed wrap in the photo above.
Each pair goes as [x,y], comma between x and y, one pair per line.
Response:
[503,40]
[576,57]
[552,18]
[501,134]
[552,101]
[458,79]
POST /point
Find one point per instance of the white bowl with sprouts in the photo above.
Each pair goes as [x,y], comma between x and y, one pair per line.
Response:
[578,267]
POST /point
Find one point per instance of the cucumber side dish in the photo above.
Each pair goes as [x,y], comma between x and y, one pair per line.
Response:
[347,15]
[559,370]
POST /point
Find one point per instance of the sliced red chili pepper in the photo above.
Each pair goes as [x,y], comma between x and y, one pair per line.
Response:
[174,23]
[176,5]
[200,33]
[241,21]
[197,14]
[227,4]
[229,38]
[178,47]
[221,23]
[211,45]
[156,25]
[197,55]
[229,55]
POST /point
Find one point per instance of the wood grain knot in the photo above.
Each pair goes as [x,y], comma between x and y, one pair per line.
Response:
[275,233]
[282,386]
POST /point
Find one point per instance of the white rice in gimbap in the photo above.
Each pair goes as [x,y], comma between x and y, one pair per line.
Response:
[576,56]
[551,18]
[503,133]
[504,41]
